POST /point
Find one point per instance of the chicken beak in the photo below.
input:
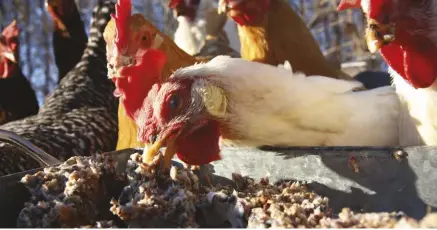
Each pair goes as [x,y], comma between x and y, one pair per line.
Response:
[378,35]
[116,64]
[10,56]
[150,150]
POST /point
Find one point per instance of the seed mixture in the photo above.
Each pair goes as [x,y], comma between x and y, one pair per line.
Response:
[157,199]
[102,224]
[72,194]
[284,205]
[87,192]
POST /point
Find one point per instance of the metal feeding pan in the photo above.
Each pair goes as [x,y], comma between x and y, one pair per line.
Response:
[43,158]
[362,178]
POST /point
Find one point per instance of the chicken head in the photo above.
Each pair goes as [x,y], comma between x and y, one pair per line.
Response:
[177,115]
[245,12]
[127,38]
[405,34]
[187,8]
[60,10]
[8,50]
[134,61]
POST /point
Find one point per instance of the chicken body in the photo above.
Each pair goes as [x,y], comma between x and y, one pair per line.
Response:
[69,36]
[80,116]
[190,35]
[292,110]
[17,98]
[418,114]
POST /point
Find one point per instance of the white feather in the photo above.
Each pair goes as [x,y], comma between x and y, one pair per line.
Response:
[274,106]
[286,65]
[418,113]
[190,36]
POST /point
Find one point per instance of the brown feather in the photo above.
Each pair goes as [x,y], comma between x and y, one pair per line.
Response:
[281,36]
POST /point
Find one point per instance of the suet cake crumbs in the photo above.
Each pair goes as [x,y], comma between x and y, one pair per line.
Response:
[87,192]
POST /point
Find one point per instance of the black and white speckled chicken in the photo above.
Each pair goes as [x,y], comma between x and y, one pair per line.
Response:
[80,116]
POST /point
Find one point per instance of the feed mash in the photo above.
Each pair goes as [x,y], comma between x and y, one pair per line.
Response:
[71,194]
[87,192]
[157,199]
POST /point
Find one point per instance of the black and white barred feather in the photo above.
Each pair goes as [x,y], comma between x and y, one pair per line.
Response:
[80,116]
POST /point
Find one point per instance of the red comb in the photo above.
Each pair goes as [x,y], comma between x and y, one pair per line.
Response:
[348,4]
[10,33]
[174,3]
[11,30]
[122,14]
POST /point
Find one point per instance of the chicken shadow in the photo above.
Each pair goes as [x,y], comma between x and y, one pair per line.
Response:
[383,183]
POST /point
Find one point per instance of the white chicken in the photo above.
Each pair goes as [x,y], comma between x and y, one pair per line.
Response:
[191,32]
[405,32]
[255,104]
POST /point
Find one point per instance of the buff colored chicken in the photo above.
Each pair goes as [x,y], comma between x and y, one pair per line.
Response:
[128,37]
[271,32]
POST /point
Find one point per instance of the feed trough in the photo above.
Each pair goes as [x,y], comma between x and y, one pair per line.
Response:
[362,178]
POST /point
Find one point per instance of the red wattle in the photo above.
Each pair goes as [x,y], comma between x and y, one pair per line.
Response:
[415,61]
[201,146]
[420,66]
[393,54]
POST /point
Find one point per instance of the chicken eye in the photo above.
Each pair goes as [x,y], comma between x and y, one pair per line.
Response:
[174,102]
[144,38]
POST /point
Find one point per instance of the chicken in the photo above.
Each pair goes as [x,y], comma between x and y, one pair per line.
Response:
[17,98]
[191,32]
[271,32]
[69,35]
[124,36]
[405,32]
[216,42]
[80,116]
[201,29]
[230,97]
